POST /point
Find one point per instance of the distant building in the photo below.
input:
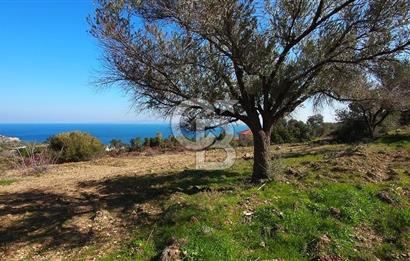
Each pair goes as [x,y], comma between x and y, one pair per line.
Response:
[246,137]
[4,139]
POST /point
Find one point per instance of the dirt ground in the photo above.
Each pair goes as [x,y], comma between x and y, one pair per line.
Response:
[86,210]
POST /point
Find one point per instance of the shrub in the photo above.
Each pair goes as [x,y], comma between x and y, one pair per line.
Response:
[351,130]
[75,146]
[290,132]
[118,146]
[34,159]
[135,144]
[405,118]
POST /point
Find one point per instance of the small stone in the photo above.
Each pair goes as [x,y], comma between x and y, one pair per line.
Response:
[247,213]
[247,156]
[384,196]
[292,172]
[171,253]
[335,212]
[194,219]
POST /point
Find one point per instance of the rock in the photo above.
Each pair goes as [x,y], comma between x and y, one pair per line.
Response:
[248,213]
[392,173]
[384,196]
[247,156]
[196,189]
[323,243]
[324,240]
[335,212]
[248,216]
[315,166]
[194,219]
[171,253]
[292,172]
[271,231]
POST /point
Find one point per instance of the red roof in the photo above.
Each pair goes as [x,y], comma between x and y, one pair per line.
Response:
[245,132]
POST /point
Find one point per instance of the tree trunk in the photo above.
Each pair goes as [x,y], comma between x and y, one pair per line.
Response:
[261,156]
[372,131]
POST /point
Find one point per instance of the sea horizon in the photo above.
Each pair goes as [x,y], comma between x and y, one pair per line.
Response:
[105,132]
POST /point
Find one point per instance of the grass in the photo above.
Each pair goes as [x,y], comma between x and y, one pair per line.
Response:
[397,140]
[284,219]
[6,182]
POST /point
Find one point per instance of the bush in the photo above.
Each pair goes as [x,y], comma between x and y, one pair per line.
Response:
[135,144]
[405,118]
[34,159]
[75,146]
[291,131]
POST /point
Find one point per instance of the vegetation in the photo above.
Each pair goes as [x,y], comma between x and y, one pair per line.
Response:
[378,99]
[270,63]
[117,144]
[135,144]
[405,118]
[314,211]
[34,158]
[75,146]
[6,182]
[329,202]
[290,131]
[158,141]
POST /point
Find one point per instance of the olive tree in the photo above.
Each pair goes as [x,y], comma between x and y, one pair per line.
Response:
[269,56]
[385,93]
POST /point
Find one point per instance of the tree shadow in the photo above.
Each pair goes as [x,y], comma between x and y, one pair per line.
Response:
[123,192]
[396,138]
[44,217]
[38,216]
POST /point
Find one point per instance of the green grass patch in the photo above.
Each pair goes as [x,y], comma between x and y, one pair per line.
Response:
[234,220]
[292,159]
[6,182]
[397,141]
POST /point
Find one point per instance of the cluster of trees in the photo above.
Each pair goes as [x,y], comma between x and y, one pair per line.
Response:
[138,144]
[270,56]
[291,131]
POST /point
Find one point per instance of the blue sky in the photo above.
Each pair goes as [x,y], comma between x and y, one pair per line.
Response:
[48,61]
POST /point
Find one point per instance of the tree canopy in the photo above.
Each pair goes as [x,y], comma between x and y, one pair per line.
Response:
[269,56]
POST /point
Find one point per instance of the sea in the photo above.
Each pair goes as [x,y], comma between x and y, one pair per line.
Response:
[105,132]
